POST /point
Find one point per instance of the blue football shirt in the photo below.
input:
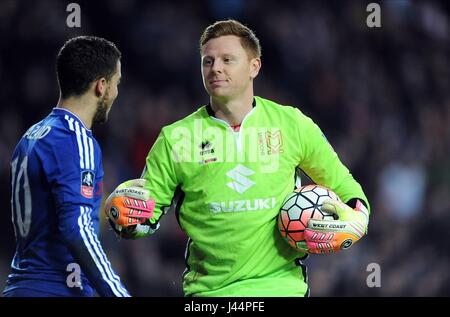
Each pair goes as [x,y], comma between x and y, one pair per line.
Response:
[56,175]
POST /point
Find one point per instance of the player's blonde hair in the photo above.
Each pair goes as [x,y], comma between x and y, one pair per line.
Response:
[249,41]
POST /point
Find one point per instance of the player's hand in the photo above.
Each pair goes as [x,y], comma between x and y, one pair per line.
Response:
[328,236]
[129,205]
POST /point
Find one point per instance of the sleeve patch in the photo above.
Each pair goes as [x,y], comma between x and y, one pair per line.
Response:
[87,184]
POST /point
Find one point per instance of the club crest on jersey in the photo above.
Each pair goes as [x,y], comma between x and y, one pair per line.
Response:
[87,184]
[270,142]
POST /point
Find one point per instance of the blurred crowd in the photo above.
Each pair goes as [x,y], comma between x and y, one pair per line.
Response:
[380,95]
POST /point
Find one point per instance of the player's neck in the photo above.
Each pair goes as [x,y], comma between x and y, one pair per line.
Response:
[232,111]
[83,107]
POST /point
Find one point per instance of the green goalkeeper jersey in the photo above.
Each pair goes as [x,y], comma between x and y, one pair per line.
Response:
[234,184]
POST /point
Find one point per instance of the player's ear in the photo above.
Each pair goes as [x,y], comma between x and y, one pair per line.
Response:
[100,87]
[255,66]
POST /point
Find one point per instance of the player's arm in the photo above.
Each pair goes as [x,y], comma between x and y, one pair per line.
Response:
[77,230]
[74,216]
[159,178]
[321,163]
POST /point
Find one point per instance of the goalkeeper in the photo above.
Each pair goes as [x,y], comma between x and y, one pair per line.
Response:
[226,169]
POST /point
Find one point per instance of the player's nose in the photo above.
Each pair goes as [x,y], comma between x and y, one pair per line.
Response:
[217,67]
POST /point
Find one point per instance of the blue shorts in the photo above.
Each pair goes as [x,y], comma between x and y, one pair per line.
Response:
[40,288]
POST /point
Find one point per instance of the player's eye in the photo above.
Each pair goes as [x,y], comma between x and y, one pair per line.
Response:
[228,59]
[207,62]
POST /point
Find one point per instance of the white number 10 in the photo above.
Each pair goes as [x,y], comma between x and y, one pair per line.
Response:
[22,224]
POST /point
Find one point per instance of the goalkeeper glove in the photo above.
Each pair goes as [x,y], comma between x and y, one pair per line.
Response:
[328,236]
[129,208]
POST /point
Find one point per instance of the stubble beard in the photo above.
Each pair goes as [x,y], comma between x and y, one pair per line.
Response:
[101,114]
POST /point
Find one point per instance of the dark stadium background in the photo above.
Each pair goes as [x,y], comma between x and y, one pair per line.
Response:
[380,95]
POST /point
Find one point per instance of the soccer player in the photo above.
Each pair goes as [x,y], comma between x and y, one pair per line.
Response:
[57,174]
[226,170]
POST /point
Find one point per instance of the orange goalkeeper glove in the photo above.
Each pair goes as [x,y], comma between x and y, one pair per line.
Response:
[129,206]
[328,236]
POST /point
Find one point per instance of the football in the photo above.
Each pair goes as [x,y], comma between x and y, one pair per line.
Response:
[300,206]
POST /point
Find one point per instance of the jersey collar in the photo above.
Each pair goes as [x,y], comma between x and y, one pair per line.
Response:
[64,110]
[211,112]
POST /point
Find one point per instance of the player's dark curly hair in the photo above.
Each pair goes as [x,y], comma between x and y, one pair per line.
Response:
[83,60]
[249,40]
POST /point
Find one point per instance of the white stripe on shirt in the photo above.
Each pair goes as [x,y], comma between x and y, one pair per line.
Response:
[108,267]
[91,147]
[84,234]
[80,146]
[70,121]
[86,149]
